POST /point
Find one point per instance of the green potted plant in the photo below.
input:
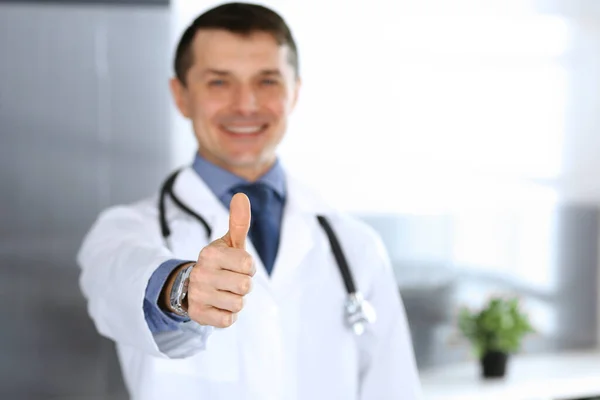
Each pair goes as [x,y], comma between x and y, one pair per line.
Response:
[495,332]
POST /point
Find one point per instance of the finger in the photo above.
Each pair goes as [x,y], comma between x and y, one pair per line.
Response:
[225,301]
[236,260]
[239,221]
[233,282]
[210,256]
[214,258]
[212,316]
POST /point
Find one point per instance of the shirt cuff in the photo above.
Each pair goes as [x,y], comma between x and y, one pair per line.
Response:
[157,319]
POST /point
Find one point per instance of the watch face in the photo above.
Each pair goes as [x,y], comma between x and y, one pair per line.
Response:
[184,299]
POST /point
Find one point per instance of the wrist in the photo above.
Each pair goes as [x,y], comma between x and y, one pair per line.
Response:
[165,295]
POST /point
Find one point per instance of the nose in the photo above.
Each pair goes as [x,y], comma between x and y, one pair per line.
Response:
[245,100]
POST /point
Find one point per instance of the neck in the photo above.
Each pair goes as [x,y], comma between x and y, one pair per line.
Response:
[250,172]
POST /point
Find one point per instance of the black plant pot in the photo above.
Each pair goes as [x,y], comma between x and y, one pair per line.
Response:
[493,364]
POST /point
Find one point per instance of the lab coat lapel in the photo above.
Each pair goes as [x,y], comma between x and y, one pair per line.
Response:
[297,235]
[196,195]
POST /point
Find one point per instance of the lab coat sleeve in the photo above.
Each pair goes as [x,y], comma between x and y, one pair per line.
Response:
[389,368]
[117,258]
[158,319]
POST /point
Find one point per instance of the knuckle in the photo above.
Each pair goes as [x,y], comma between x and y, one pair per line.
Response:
[238,304]
[208,253]
[202,315]
[247,264]
[245,285]
[217,322]
[226,320]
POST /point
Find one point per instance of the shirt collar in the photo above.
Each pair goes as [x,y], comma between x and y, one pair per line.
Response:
[221,181]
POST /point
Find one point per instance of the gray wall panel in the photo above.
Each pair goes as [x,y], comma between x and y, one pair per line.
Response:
[83,108]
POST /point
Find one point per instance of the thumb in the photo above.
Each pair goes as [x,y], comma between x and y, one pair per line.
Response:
[239,221]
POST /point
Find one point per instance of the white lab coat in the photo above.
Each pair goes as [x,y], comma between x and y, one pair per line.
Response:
[289,342]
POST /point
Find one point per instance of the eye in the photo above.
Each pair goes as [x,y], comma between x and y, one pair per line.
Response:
[269,82]
[217,82]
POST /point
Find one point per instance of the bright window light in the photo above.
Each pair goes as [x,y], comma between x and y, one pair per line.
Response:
[406,112]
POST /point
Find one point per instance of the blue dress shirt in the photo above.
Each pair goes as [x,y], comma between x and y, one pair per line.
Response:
[220,182]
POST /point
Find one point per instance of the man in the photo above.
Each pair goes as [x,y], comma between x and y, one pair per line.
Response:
[208,314]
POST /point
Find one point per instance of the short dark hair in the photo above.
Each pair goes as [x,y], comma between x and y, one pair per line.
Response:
[239,18]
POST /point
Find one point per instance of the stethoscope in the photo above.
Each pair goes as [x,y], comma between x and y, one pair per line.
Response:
[358,312]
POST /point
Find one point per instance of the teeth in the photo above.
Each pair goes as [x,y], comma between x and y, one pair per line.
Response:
[244,130]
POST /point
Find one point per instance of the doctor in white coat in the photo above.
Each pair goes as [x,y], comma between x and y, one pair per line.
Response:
[248,302]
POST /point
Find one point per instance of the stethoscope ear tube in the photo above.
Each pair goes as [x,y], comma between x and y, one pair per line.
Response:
[339,255]
[167,189]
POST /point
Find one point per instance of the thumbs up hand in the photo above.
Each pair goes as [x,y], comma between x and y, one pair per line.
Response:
[223,274]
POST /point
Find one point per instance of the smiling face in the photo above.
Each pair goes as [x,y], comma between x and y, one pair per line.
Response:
[238,95]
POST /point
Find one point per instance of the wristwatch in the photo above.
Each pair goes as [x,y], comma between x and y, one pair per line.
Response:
[179,291]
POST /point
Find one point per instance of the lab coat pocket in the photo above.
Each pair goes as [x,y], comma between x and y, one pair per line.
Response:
[218,362]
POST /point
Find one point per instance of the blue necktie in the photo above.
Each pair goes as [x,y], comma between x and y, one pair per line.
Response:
[263,225]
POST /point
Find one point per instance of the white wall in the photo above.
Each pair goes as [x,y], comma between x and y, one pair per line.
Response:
[425,107]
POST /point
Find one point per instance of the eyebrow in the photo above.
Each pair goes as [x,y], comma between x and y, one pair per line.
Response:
[215,72]
[221,72]
[270,72]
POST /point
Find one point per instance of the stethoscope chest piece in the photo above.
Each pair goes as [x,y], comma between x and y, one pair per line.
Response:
[359,312]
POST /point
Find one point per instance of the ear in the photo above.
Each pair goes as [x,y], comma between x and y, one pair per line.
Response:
[181,96]
[297,85]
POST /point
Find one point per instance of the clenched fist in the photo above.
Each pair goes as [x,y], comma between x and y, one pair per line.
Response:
[223,273]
